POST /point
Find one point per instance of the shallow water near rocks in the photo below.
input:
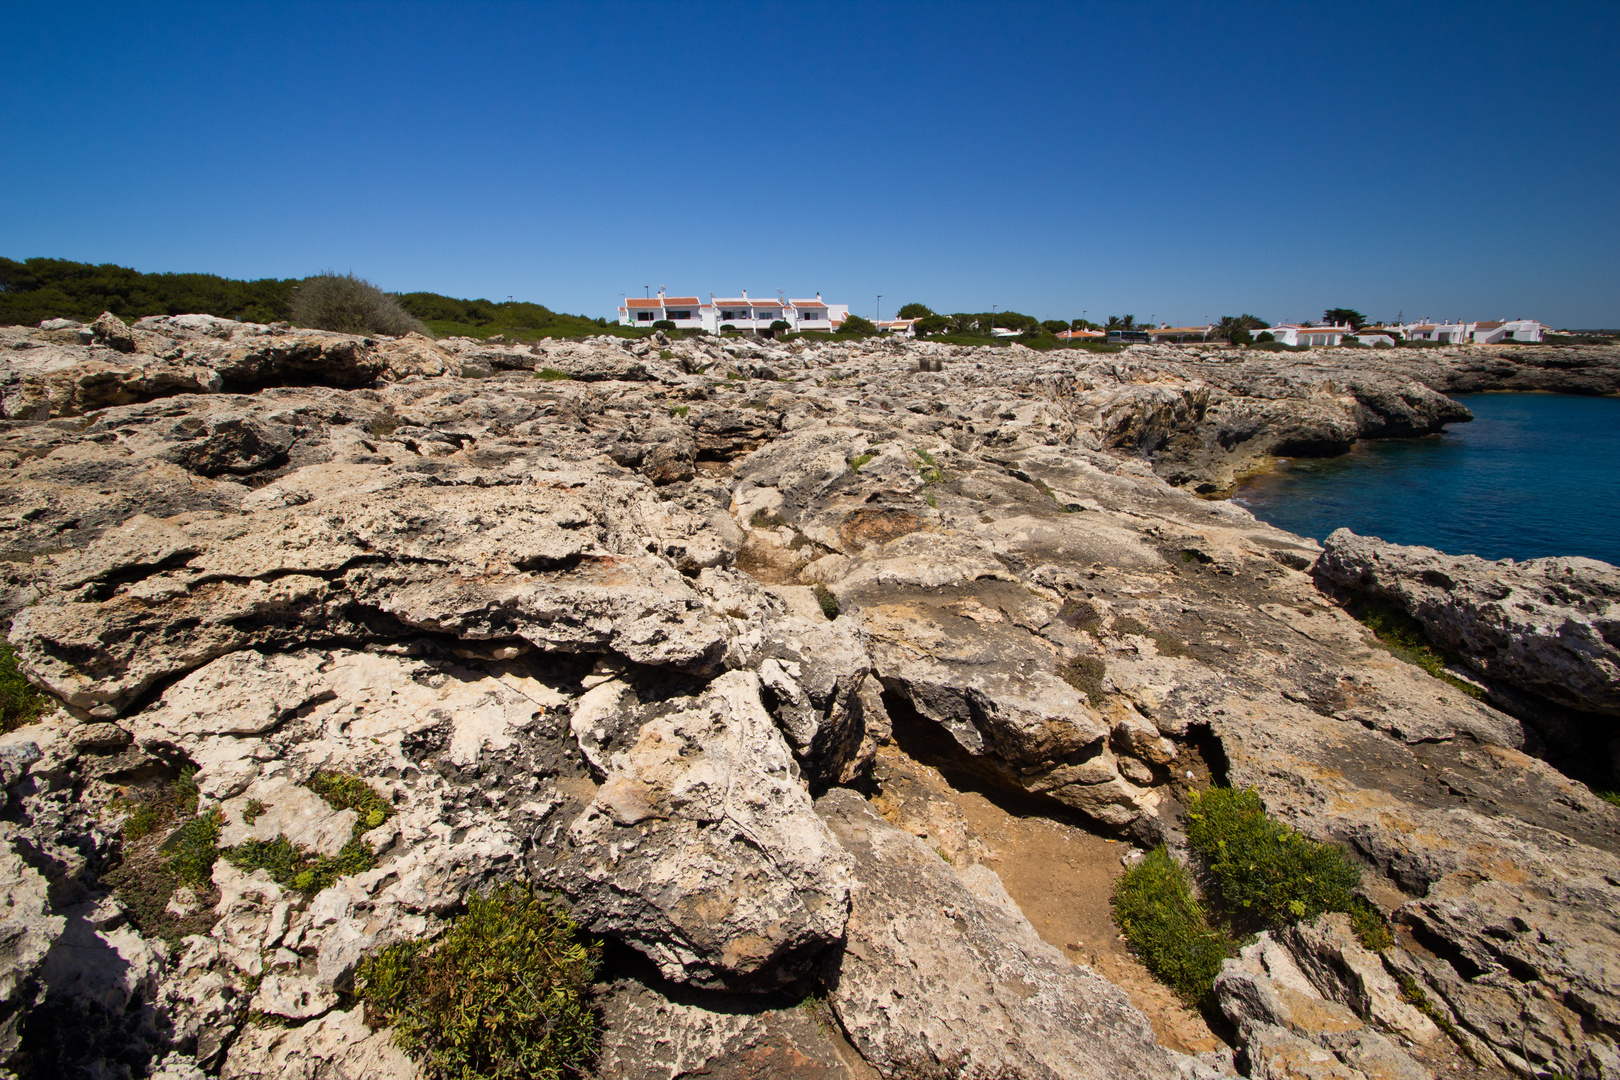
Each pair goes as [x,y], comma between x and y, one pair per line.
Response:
[1532,475]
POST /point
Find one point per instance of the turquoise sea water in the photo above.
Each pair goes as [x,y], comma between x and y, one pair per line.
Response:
[1531,475]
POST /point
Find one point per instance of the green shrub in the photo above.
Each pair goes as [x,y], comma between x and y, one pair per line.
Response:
[1166,927]
[350,305]
[862,459]
[20,701]
[552,374]
[828,602]
[1264,873]
[1611,797]
[503,994]
[194,848]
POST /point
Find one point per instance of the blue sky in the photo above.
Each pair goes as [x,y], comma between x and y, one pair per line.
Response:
[1171,160]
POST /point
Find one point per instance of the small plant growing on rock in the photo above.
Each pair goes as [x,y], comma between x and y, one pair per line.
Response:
[1265,873]
[767,519]
[345,792]
[20,701]
[156,861]
[855,463]
[1156,909]
[503,994]
[552,375]
[929,468]
[828,602]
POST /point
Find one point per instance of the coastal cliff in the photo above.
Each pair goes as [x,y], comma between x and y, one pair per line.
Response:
[659,626]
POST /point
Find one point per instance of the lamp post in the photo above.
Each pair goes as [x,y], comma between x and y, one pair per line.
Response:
[879,308]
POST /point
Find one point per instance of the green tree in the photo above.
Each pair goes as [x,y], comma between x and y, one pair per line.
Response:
[915,311]
[857,325]
[1340,315]
[1054,326]
[1121,322]
[1082,324]
[932,324]
[1231,324]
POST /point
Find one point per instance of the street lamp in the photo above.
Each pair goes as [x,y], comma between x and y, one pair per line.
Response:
[880,308]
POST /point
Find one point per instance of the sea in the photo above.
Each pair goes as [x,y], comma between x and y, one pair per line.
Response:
[1531,475]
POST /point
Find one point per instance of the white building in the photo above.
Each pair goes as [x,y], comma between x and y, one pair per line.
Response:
[1290,334]
[1495,331]
[743,313]
[903,327]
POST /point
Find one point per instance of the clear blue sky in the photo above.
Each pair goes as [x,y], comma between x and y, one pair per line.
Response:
[1177,160]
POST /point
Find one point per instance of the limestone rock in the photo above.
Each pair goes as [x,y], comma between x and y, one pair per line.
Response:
[337,1046]
[1551,626]
[702,849]
[933,976]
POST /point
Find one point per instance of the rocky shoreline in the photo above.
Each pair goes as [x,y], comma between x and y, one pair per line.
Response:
[633,620]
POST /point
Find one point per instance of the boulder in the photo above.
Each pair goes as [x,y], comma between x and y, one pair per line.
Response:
[1550,626]
[702,850]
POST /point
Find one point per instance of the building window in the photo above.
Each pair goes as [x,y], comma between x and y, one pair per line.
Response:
[644,316]
[680,314]
[732,315]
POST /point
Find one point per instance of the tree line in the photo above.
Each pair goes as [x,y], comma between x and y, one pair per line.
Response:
[34,290]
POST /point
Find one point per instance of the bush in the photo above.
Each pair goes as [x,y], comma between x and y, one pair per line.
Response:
[780,325]
[664,324]
[503,994]
[857,325]
[1263,873]
[346,304]
[828,602]
[1263,336]
[1166,927]
[20,701]
[1240,336]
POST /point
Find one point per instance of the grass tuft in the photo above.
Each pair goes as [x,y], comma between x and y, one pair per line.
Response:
[767,519]
[503,994]
[294,867]
[552,375]
[20,700]
[1156,909]
[856,462]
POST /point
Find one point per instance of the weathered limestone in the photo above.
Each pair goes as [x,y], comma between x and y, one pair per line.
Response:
[702,850]
[567,628]
[940,974]
[1551,626]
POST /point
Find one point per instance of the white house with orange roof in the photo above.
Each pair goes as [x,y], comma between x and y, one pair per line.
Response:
[743,312]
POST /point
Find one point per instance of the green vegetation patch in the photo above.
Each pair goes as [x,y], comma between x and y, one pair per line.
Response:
[345,792]
[1263,873]
[767,519]
[503,994]
[1156,909]
[1258,874]
[295,867]
[157,859]
[856,462]
[1399,633]
[20,700]
[552,375]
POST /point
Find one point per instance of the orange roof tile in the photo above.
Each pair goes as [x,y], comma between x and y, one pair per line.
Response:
[681,301]
[639,303]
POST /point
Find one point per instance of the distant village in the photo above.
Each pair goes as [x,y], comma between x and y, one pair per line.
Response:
[746,314]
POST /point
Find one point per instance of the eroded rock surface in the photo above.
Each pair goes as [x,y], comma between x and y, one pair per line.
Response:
[610,615]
